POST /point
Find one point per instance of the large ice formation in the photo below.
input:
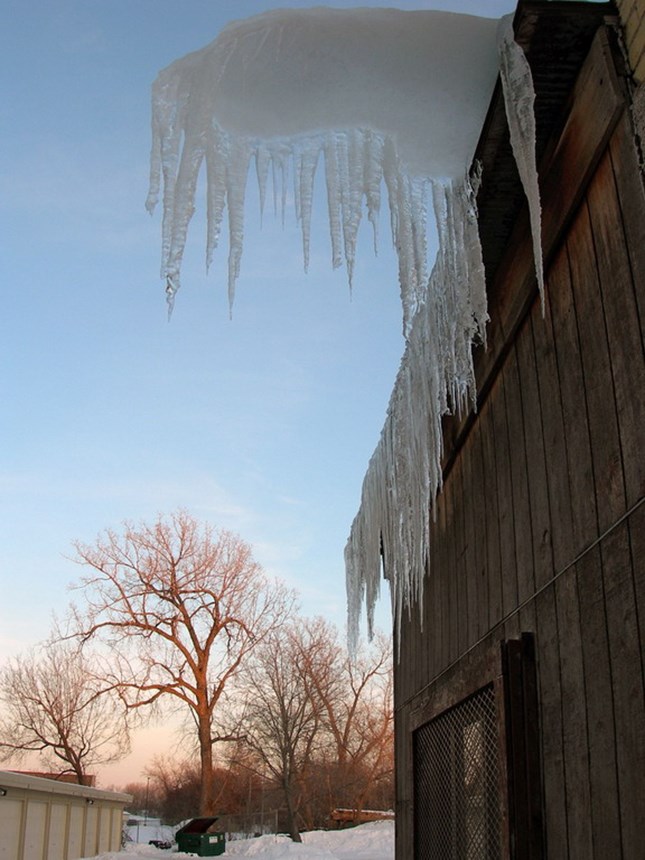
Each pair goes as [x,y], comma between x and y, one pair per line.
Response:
[384,99]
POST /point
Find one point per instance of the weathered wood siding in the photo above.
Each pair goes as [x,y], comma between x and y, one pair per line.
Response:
[632,13]
[541,523]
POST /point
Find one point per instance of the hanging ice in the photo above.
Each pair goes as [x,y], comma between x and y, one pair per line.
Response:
[436,376]
[373,94]
[519,99]
[377,98]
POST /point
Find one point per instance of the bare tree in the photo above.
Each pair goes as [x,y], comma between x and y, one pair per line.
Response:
[55,706]
[181,606]
[281,719]
[354,696]
[320,721]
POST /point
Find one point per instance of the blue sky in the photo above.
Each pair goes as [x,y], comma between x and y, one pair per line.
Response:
[263,424]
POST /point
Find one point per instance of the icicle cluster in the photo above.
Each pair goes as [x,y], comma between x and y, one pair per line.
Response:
[356,163]
[382,99]
[436,377]
[391,529]
[378,94]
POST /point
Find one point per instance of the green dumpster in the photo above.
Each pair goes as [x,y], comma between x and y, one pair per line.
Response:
[201,836]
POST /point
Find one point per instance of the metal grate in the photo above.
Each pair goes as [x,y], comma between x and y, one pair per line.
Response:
[456,783]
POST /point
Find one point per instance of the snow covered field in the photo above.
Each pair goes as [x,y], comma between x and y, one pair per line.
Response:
[374,841]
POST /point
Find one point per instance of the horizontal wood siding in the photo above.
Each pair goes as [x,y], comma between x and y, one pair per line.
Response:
[541,528]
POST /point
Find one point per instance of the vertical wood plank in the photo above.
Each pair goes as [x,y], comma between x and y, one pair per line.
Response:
[459,563]
[493,559]
[478,504]
[632,203]
[603,784]
[623,325]
[574,718]
[552,423]
[442,593]
[636,527]
[404,785]
[504,497]
[535,455]
[627,685]
[574,407]
[519,479]
[454,576]
[468,556]
[599,387]
[433,610]
[548,660]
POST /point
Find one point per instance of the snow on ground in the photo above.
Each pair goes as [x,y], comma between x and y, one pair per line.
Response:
[374,841]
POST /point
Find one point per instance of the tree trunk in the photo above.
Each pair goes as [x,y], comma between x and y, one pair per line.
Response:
[291,814]
[206,802]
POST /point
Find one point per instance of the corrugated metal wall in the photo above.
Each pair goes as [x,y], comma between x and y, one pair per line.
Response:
[42,819]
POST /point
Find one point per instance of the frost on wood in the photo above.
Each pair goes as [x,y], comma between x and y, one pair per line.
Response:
[378,99]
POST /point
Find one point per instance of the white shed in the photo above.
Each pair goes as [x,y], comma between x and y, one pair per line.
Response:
[42,819]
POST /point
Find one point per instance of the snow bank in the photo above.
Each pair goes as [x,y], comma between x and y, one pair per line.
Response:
[383,99]
[374,841]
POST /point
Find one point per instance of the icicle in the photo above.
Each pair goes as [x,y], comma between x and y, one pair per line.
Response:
[235,192]
[519,99]
[352,196]
[262,160]
[217,156]
[372,178]
[306,173]
[333,199]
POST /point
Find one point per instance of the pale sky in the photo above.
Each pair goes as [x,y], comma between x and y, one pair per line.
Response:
[263,424]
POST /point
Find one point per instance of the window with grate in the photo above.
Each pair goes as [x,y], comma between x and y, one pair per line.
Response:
[476,763]
[457,782]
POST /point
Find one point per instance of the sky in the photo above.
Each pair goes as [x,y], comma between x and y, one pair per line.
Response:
[262,424]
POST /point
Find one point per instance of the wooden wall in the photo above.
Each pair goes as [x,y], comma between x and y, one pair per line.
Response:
[541,524]
[632,13]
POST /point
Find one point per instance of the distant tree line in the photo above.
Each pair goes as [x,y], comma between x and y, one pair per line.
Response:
[176,613]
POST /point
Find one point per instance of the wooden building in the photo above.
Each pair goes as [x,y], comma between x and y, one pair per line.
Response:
[519,691]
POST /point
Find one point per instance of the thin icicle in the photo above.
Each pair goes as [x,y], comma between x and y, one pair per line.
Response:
[217,158]
[519,100]
[306,174]
[235,191]
[333,200]
[262,160]
[372,179]
[352,191]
